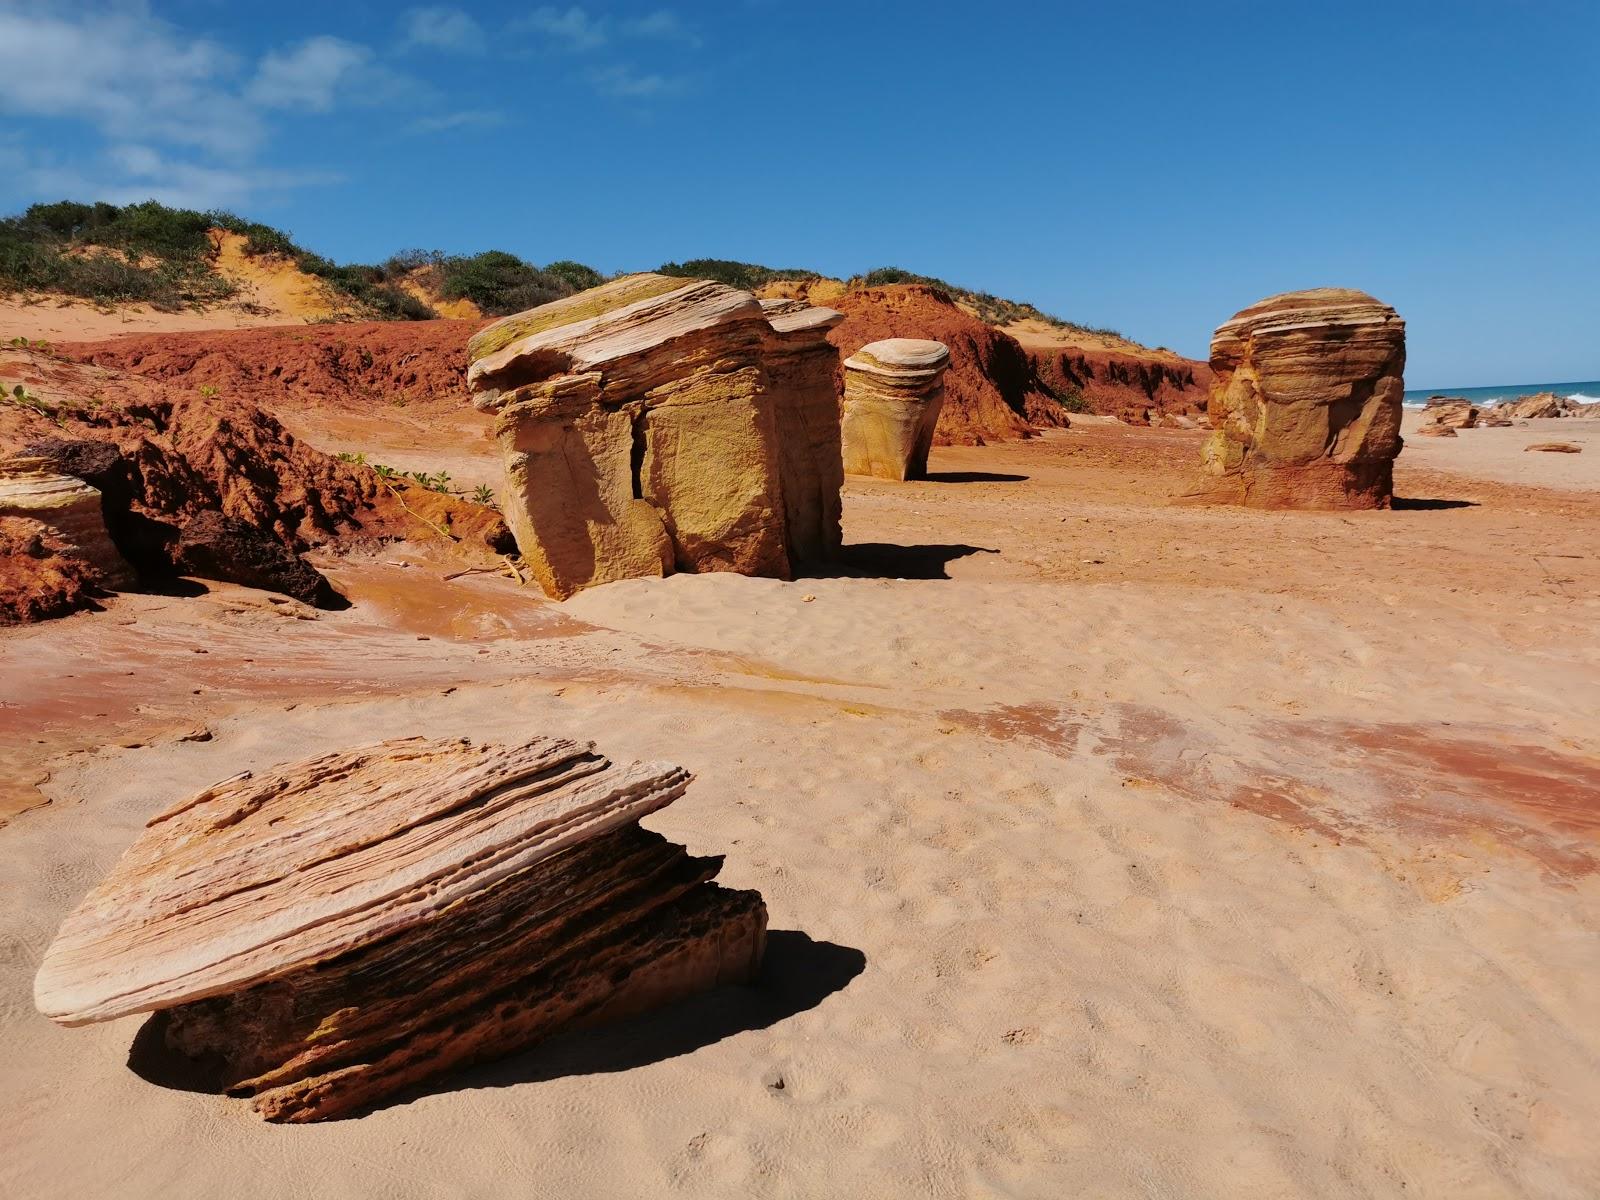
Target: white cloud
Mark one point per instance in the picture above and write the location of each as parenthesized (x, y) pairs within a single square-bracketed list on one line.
[(439, 28), (471, 119), (127, 74), (663, 24), (127, 173), (573, 27), (624, 83), (308, 76)]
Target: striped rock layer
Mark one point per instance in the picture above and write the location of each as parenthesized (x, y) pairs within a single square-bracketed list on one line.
[(893, 391), (1306, 402), (657, 424), (330, 932), (69, 509)]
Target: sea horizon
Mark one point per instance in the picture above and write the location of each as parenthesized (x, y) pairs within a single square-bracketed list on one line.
[(1584, 391)]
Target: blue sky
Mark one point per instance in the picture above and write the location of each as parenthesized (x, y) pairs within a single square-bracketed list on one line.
[(1149, 166)]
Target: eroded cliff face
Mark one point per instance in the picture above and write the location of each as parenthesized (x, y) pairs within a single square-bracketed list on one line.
[(1157, 390), (208, 485)]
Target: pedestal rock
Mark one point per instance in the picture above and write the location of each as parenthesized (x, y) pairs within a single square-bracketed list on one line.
[(893, 391), (1306, 402)]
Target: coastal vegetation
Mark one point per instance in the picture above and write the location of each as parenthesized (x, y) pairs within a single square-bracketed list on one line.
[(150, 253)]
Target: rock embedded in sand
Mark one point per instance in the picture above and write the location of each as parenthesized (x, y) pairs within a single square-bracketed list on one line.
[(654, 424), (69, 509), (1555, 447), (893, 391), (1430, 429), (1306, 403), (329, 932)]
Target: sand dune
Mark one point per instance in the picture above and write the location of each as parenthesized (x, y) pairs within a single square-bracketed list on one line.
[(1116, 849)]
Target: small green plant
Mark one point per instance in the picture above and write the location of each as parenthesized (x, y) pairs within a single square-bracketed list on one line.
[(345, 456), (439, 482), (385, 472), (484, 494), (208, 390)]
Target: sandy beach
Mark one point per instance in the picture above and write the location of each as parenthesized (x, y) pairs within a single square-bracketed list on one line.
[(1112, 848)]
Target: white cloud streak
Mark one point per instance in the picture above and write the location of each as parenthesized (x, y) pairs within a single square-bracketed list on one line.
[(441, 28)]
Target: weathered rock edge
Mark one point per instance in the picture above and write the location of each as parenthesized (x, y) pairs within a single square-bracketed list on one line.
[(333, 931)]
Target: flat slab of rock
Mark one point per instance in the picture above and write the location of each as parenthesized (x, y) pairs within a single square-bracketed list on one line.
[(331, 931), (1306, 402), (893, 392), (1555, 447)]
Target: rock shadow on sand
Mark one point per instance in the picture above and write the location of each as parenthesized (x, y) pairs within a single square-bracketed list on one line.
[(1428, 504), (797, 974), (885, 560), (973, 477)]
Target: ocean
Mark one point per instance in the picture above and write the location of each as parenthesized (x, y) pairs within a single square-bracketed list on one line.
[(1584, 391)]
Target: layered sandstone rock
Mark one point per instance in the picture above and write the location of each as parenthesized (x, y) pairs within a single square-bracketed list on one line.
[(327, 933), (893, 391), (652, 425), (803, 372), (1306, 402), (70, 511), (1452, 412)]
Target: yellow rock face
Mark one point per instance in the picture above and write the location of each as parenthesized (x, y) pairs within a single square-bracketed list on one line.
[(1306, 403), (654, 424), (893, 391)]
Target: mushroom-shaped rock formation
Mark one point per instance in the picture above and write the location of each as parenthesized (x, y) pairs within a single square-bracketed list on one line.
[(655, 424), (1306, 402), (327, 933), (69, 509), (893, 391)]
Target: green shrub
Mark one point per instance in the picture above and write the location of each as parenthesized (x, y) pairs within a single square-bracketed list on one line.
[(747, 276), (576, 275), (499, 283)]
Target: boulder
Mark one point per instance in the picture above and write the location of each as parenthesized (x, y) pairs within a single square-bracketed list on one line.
[(893, 391), (1555, 447), (654, 424), (1451, 412), (325, 934), (69, 509), (1537, 406), (1430, 429), (1306, 402)]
